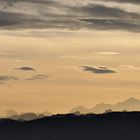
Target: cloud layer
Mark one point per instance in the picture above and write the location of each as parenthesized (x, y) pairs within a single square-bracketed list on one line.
[(51, 14)]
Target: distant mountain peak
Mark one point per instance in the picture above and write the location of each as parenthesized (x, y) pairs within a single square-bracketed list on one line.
[(102, 104), (133, 100), (80, 108)]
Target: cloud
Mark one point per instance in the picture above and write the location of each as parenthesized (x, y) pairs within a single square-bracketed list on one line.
[(26, 68), (98, 70), (128, 67), (107, 53), (110, 24), (38, 77), (124, 1), (51, 14), (4, 78), (101, 11), (48, 2)]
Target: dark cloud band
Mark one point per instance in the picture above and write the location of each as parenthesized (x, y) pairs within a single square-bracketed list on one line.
[(46, 14)]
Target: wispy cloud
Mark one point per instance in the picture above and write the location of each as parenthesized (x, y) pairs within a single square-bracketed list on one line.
[(98, 70), (5, 78), (107, 53), (124, 1), (39, 77), (128, 67)]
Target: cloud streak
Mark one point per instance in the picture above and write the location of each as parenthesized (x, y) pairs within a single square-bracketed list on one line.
[(38, 77), (128, 67), (124, 1), (98, 70), (26, 68), (5, 78), (113, 24), (107, 53)]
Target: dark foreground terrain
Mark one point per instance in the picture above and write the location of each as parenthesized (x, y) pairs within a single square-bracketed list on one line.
[(111, 126)]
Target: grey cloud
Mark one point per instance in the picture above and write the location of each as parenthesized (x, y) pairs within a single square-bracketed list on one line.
[(26, 68), (48, 2), (101, 11), (98, 70), (46, 14), (9, 20), (20, 21), (38, 77)]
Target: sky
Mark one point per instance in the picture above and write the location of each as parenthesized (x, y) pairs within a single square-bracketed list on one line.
[(58, 54)]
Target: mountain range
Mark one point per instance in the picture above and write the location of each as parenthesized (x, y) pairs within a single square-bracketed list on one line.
[(28, 116), (130, 104)]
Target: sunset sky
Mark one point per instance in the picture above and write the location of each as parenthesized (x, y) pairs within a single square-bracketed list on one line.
[(58, 54)]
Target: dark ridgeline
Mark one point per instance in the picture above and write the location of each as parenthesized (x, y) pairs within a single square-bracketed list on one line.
[(109, 126)]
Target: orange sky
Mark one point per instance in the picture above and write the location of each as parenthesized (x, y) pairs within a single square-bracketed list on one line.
[(73, 53), (67, 84)]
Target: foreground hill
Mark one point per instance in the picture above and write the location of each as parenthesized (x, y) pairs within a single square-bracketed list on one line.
[(111, 126)]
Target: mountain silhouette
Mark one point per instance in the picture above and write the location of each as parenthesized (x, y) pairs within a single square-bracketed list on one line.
[(131, 104)]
